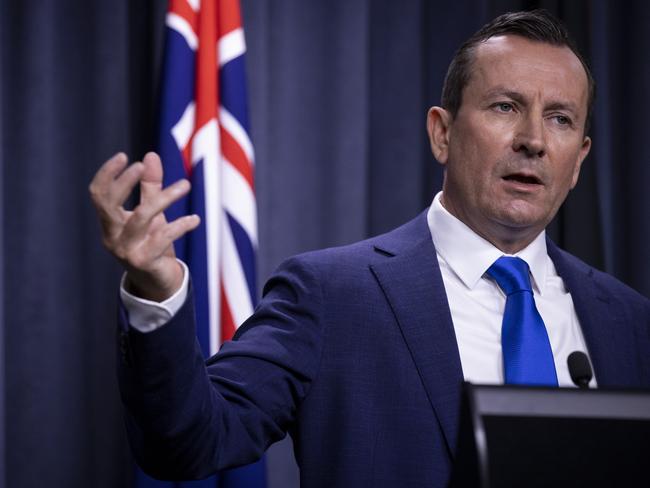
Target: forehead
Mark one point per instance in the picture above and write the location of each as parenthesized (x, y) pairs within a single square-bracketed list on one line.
[(528, 67)]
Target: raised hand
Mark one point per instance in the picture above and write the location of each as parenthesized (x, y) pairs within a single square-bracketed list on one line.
[(141, 239)]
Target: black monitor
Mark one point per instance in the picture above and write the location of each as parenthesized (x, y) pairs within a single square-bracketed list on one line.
[(511, 436)]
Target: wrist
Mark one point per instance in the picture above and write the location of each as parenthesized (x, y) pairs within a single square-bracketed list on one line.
[(156, 287)]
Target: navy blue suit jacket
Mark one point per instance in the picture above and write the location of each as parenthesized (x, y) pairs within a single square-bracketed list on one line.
[(352, 351)]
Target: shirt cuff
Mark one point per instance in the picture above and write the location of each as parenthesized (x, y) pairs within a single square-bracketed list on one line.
[(147, 315)]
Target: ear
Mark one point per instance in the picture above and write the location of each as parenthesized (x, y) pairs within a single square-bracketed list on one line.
[(584, 150), (438, 127)]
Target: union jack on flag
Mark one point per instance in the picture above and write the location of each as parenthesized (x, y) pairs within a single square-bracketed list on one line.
[(204, 136)]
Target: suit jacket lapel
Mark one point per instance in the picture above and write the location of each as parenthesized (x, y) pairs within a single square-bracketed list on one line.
[(610, 343), (413, 286)]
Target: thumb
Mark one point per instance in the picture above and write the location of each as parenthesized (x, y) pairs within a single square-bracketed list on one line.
[(152, 177)]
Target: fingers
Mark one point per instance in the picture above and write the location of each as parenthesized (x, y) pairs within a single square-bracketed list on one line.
[(143, 215), (109, 189), (109, 170), (113, 184), (164, 237), (152, 177), (123, 186)]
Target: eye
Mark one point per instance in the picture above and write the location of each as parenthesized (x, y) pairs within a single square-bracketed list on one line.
[(562, 120), (504, 107)]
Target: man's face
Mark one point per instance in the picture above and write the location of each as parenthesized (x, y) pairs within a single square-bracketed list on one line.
[(514, 149)]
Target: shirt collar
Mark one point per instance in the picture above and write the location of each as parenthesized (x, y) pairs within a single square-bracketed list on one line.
[(469, 255)]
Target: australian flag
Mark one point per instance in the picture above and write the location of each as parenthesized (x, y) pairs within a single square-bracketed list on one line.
[(204, 137)]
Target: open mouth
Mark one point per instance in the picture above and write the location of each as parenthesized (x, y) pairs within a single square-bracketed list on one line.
[(525, 179)]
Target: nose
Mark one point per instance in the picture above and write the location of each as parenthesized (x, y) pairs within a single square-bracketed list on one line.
[(529, 137)]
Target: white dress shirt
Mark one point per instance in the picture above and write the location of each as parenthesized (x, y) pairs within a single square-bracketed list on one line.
[(476, 301), (147, 315)]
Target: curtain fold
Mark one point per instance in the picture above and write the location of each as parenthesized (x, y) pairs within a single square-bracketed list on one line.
[(2, 267)]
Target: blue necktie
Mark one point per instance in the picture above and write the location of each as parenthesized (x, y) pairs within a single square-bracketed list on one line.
[(527, 355)]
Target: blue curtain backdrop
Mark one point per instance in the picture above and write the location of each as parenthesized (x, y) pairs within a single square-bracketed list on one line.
[(339, 91)]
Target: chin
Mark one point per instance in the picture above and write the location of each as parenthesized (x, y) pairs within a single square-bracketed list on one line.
[(523, 218)]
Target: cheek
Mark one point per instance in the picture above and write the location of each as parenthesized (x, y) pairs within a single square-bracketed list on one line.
[(565, 152), (475, 150), (566, 175), (468, 153)]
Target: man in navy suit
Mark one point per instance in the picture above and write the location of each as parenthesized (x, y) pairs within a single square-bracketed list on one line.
[(359, 352)]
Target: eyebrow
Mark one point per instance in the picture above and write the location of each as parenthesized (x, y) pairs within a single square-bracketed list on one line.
[(520, 98)]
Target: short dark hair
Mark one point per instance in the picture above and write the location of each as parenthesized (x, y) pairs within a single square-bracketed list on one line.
[(537, 25)]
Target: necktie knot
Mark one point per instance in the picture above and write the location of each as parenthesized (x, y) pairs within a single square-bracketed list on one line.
[(511, 274)]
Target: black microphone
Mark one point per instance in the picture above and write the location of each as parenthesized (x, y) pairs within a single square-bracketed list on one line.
[(579, 369)]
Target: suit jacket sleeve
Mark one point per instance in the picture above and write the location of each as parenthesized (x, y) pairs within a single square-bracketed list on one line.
[(186, 418)]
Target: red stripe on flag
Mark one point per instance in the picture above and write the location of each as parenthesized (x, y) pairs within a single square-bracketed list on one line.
[(207, 86), (237, 157), (229, 16), (183, 9)]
